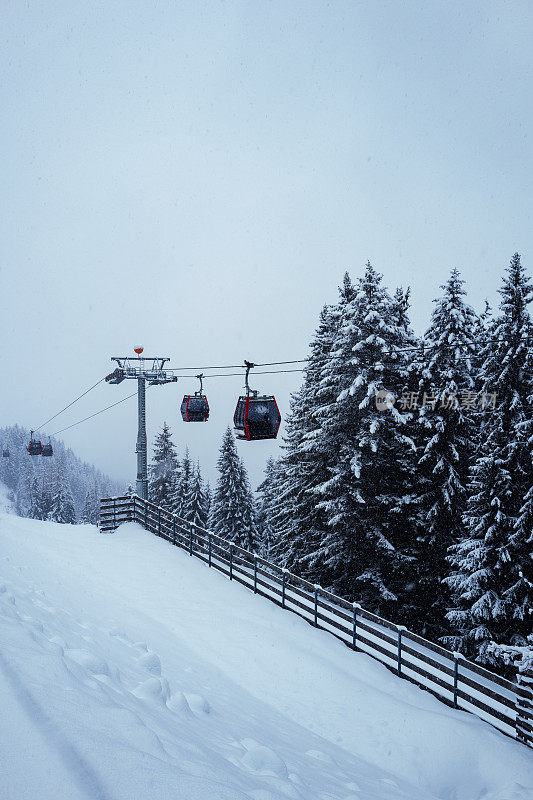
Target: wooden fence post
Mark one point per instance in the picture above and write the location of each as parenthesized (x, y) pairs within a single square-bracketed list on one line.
[(159, 521), (173, 530), (255, 574), (190, 540), (283, 582), (400, 629), (114, 513), (210, 548), (101, 512), (356, 608), (524, 707), (316, 604), (456, 659), (231, 562)]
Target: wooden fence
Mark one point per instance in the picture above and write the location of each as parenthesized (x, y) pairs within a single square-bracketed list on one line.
[(449, 676)]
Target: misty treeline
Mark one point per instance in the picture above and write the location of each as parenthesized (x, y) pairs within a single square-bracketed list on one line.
[(177, 485), (406, 477), (61, 488)]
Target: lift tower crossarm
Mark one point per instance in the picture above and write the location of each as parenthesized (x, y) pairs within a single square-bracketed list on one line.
[(141, 369)]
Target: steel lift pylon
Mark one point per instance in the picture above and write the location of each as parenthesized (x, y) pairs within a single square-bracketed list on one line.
[(144, 370)]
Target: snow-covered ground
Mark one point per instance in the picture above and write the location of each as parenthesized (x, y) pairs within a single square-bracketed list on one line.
[(130, 670)]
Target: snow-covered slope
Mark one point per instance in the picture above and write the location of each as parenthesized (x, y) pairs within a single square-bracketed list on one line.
[(130, 670)]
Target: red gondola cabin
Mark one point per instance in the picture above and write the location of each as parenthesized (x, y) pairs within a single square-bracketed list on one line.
[(195, 408), (256, 417), (35, 447)]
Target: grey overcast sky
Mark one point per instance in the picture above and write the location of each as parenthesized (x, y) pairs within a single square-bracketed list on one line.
[(197, 176)]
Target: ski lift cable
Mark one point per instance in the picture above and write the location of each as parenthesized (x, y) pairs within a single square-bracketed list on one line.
[(414, 348), (133, 394), (70, 404), (386, 357), (128, 397), (236, 366), (239, 374), (411, 349)]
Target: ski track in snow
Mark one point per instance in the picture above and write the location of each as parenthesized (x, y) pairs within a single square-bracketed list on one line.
[(98, 711)]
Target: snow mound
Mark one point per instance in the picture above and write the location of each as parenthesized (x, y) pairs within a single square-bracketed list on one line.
[(151, 663), (262, 759), (153, 690), (197, 703)]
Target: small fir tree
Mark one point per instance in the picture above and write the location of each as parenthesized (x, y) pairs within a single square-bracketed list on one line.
[(163, 469), (91, 506), (182, 487), (62, 504), (196, 507), (231, 515)]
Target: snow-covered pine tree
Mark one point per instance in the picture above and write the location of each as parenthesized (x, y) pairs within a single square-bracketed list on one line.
[(10, 468), (369, 458), (163, 469), (62, 504), (41, 496), (182, 486), (196, 510), (401, 303), (230, 510), (24, 490), (91, 507), (267, 502), (408, 515), (251, 541), (445, 459), (208, 496), (482, 333), (295, 524), (493, 580)]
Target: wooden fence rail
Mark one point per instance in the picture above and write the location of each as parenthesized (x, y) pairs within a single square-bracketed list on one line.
[(449, 676)]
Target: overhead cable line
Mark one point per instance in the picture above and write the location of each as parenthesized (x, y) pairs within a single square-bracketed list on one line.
[(419, 348), (238, 374), (237, 366), (70, 404), (415, 348), (94, 415)]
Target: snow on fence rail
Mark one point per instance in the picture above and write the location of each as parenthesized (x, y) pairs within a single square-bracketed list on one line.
[(449, 676)]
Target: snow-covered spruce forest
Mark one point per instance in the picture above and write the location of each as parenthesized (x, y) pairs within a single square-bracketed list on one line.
[(421, 509), (61, 488)]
